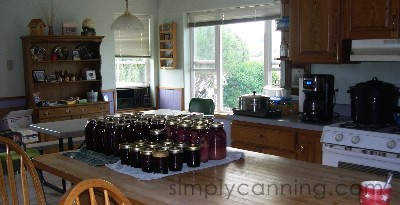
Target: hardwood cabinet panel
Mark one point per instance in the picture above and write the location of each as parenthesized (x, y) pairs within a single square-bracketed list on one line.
[(281, 153), (246, 146), (310, 148), (57, 112), (370, 19)]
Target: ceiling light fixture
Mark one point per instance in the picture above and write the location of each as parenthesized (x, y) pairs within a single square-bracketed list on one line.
[(127, 22)]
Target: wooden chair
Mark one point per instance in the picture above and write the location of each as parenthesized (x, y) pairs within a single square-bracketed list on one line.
[(94, 187), (25, 165)]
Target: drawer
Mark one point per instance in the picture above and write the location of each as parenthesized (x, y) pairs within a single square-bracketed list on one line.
[(95, 108), (57, 112), (275, 138)]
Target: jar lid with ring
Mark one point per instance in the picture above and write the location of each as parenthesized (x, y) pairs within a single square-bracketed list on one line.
[(146, 151), (216, 125), (175, 150)]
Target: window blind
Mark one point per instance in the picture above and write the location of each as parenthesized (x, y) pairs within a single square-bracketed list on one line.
[(234, 15), (133, 43)]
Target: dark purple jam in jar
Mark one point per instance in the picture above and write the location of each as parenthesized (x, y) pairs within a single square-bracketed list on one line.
[(171, 130), (156, 135), (141, 130), (141, 143), (109, 137), (152, 145), (182, 146), (193, 155), (200, 136), (134, 155), (121, 135), (160, 162), (146, 159), (157, 123), (98, 135), (175, 159), (217, 141), (89, 129), (124, 152), (184, 131)]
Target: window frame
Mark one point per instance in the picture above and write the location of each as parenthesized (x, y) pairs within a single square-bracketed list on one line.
[(131, 85)]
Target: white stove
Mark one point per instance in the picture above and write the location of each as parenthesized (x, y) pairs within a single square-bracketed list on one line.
[(375, 150)]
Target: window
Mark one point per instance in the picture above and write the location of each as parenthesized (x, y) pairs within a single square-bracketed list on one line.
[(234, 59), (132, 55)]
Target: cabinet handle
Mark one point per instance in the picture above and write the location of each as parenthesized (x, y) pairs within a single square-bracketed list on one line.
[(46, 113), (301, 148), (259, 135), (394, 23), (67, 111), (83, 109), (334, 49), (102, 107)]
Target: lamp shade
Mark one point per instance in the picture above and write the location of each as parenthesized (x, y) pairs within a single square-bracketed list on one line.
[(127, 22)]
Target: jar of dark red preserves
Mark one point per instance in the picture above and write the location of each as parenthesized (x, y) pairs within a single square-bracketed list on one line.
[(217, 141), (200, 136), (171, 130), (134, 155), (122, 133), (175, 159), (141, 130), (152, 145), (156, 135), (98, 135), (124, 152), (109, 137), (146, 159), (167, 142), (141, 143), (184, 131), (182, 146), (157, 123), (193, 155), (89, 129), (160, 161)]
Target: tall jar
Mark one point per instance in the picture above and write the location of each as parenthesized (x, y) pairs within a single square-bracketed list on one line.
[(157, 123), (121, 135), (200, 136), (217, 141), (156, 135), (171, 130), (98, 135), (184, 130), (146, 159), (109, 137), (89, 129), (141, 130)]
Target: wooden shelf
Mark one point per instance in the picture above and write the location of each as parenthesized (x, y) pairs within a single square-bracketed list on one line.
[(164, 67), (283, 59), (168, 47), (68, 61), (75, 81)]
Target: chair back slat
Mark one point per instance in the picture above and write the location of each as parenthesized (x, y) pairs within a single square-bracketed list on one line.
[(106, 198), (4, 196), (11, 177), (24, 182), (92, 197)]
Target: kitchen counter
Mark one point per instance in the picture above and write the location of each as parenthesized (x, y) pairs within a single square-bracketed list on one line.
[(256, 179), (288, 121)]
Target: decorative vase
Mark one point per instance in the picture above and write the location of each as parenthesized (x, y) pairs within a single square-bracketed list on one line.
[(51, 32)]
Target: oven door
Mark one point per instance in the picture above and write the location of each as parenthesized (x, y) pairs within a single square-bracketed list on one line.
[(359, 160)]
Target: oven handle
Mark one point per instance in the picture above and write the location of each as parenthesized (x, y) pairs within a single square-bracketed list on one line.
[(360, 155)]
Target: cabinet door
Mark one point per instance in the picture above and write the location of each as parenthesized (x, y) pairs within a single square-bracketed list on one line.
[(246, 146), (281, 153), (369, 19), (314, 27), (309, 147)]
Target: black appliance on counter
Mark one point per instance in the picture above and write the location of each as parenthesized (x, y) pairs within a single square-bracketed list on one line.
[(318, 98), (129, 98)]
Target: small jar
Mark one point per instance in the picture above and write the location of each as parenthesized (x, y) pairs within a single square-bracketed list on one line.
[(156, 135), (157, 123), (152, 145), (141, 130), (217, 141), (89, 129), (193, 155), (184, 130), (141, 143), (200, 136), (167, 143), (175, 160), (109, 137), (134, 155), (160, 162), (124, 152), (182, 146), (146, 159), (171, 130)]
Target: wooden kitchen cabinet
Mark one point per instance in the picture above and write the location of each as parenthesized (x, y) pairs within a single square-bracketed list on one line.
[(315, 32), (168, 48), (370, 19), (276, 140)]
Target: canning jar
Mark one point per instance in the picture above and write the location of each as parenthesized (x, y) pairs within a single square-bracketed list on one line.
[(141, 143), (217, 141), (109, 137), (157, 123), (122, 133), (146, 159), (171, 130), (175, 159), (182, 146), (141, 130), (134, 155), (156, 135), (200, 136), (152, 145), (167, 142), (184, 130), (89, 129), (160, 162), (98, 135), (124, 152), (193, 155)]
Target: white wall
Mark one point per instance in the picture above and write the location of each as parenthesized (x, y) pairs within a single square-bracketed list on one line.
[(16, 15)]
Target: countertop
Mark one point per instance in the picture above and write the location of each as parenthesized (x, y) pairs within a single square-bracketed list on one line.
[(292, 121), (255, 179)]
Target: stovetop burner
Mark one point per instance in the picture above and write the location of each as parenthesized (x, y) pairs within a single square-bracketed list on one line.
[(365, 127)]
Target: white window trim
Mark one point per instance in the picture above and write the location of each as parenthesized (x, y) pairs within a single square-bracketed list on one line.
[(132, 85)]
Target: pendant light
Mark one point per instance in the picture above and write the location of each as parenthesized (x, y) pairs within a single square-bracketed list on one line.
[(127, 22)]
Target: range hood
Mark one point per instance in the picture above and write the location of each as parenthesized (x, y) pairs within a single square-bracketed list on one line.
[(375, 50)]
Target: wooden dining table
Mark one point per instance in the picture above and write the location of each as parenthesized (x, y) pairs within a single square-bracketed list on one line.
[(255, 179)]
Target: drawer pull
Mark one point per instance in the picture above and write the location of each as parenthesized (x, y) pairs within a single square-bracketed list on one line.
[(46, 113), (102, 107), (83, 109), (301, 148), (67, 111), (259, 135), (394, 22)]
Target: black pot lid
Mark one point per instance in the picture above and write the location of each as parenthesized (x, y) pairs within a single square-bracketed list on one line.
[(254, 96), (374, 84)]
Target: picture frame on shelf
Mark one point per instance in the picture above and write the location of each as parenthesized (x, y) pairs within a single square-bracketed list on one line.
[(69, 29), (90, 75), (293, 73), (167, 37), (75, 54), (39, 76), (52, 78)]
